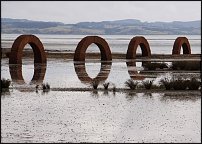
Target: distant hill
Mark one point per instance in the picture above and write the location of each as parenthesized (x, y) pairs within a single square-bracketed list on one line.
[(118, 27)]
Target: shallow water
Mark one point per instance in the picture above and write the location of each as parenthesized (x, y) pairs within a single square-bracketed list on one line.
[(100, 117), (60, 73), (95, 116)]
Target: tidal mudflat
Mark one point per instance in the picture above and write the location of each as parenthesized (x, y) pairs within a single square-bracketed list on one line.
[(28, 115), (100, 117)]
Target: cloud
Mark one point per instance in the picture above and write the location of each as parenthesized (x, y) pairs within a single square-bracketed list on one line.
[(77, 11)]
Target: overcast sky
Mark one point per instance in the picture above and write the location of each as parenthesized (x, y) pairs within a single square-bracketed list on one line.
[(79, 11)]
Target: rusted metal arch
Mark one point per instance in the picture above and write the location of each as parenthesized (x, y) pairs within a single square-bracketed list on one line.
[(38, 77), (181, 42), (82, 46), (133, 45), (80, 70), (18, 46)]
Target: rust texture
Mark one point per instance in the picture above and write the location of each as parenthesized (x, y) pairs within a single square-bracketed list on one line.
[(181, 42), (80, 70), (38, 77), (82, 46), (18, 46), (133, 45)]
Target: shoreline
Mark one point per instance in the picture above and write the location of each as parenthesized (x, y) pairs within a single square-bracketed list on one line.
[(70, 55), (138, 90)]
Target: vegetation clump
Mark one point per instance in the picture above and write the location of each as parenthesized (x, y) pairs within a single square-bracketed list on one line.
[(179, 84), (45, 86), (106, 85), (148, 84), (5, 83), (131, 84), (193, 84), (114, 88), (95, 84), (168, 84)]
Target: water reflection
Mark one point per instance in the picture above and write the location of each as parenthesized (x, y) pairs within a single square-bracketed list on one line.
[(106, 93), (181, 96), (80, 70), (38, 77), (44, 92), (94, 94), (134, 74), (148, 94), (130, 95)]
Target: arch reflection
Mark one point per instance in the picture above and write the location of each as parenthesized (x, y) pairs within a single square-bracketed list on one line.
[(133, 72), (80, 70), (17, 77)]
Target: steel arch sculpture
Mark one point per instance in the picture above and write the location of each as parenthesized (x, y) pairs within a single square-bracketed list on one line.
[(18, 46), (132, 48), (181, 42), (88, 40)]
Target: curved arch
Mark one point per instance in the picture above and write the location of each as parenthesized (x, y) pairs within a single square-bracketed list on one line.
[(38, 77), (133, 45), (18, 46), (86, 41), (181, 42), (80, 70)]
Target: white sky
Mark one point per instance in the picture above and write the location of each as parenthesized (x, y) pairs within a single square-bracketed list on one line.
[(70, 12)]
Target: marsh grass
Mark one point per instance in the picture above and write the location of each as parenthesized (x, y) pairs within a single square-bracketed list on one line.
[(114, 88), (131, 84), (148, 84), (5, 83), (157, 86), (168, 84), (46, 86), (193, 84), (95, 84), (106, 85), (180, 84)]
